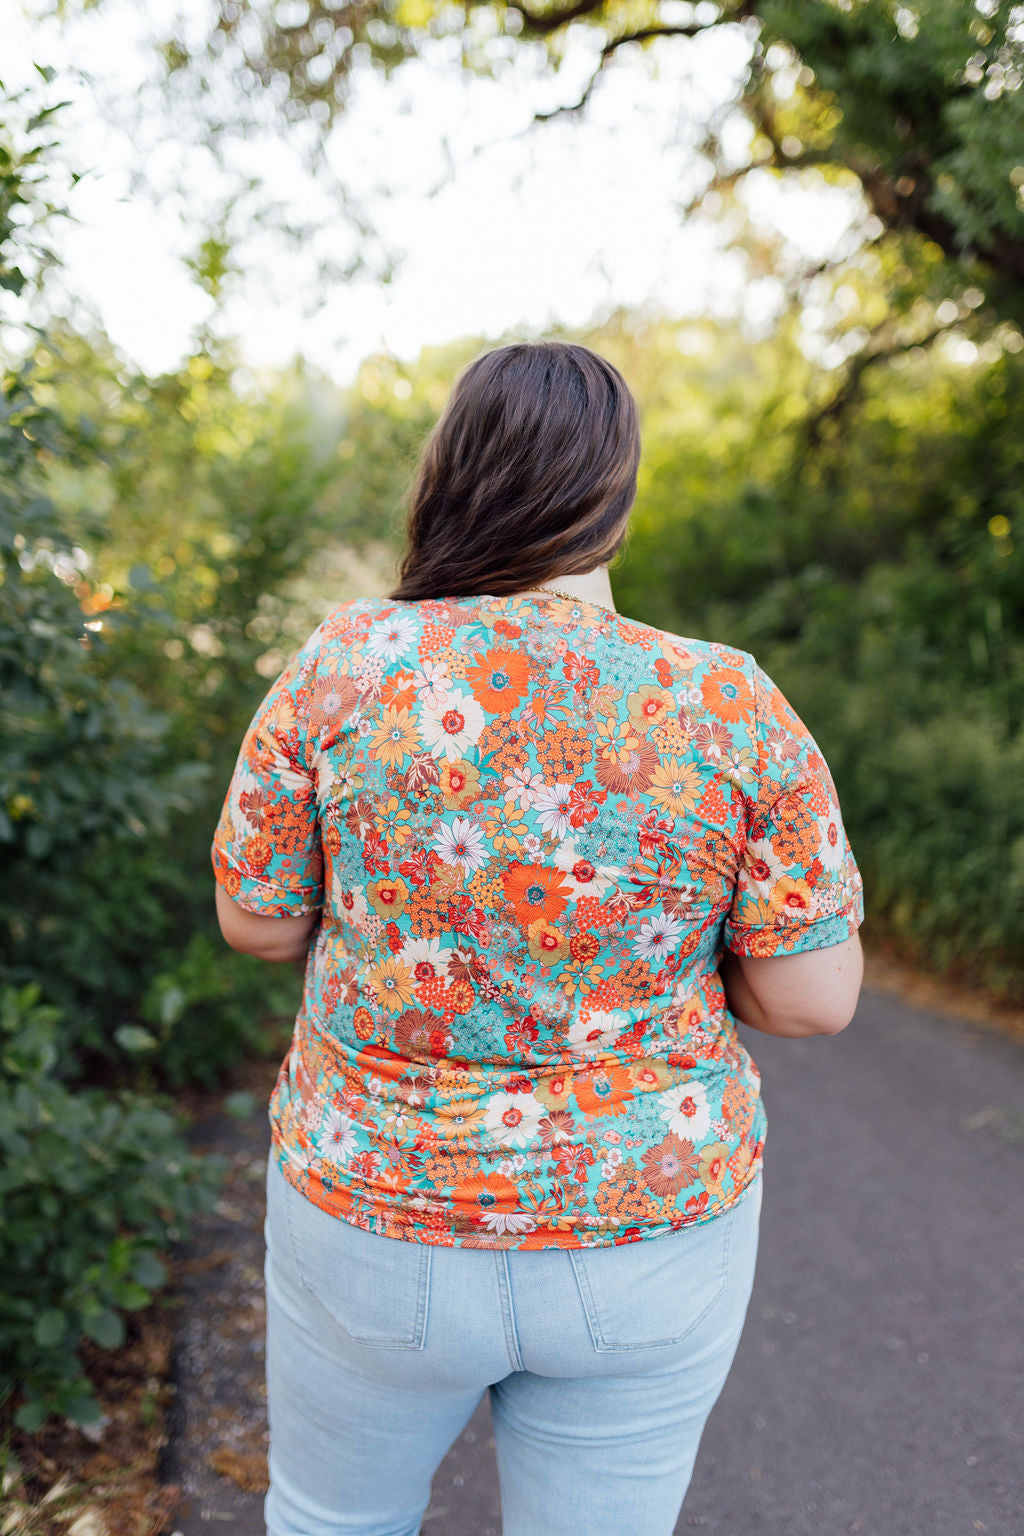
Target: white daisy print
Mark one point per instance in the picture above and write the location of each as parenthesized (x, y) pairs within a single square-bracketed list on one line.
[(598, 1032), (658, 937), (506, 1221), (336, 1139), (453, 726), (552, 807), (686, 1110), (461, 842), (582, 877), (514, 1117), (417, 951), (433, 684), (393, 637)]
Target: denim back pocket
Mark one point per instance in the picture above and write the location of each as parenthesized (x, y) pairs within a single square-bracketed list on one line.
[(652, 1293), (375, 1288)]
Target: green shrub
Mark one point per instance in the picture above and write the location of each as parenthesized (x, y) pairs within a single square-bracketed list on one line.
[(92, 1186)]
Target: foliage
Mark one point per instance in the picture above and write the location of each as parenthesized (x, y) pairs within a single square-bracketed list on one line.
[(920, 102), (107, 782), (92, 1186)]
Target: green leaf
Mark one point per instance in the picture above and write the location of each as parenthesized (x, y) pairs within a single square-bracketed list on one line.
[(82, 1408), (50, 1327), (131, 1037), (150, 1271), (31, 1415), (105, 1328)]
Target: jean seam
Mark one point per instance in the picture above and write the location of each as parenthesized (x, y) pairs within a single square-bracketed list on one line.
[(508, 1311)]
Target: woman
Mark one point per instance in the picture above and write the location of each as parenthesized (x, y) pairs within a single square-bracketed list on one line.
[(539, 858)]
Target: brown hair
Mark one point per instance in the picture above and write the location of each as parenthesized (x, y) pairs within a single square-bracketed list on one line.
[(528, 475)]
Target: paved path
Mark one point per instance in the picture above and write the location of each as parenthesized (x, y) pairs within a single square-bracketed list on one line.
[(879, 1384)]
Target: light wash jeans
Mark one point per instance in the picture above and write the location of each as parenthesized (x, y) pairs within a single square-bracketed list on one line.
[(602, 1366)]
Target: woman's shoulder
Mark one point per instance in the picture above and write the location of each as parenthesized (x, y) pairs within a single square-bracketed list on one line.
[(689, 652)]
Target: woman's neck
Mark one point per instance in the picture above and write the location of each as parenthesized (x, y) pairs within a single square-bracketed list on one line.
[(590, 586)]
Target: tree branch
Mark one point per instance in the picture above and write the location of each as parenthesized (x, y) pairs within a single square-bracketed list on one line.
[(546, 22), (812, 428), (641, 35)]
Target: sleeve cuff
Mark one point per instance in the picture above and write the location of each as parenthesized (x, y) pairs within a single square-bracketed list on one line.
[(794, 938), (263, 897)]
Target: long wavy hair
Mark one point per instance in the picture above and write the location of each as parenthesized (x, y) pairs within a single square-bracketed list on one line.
[(529, 474)]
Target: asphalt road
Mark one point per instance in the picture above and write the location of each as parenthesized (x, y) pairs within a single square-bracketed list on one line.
[(879, 1384)]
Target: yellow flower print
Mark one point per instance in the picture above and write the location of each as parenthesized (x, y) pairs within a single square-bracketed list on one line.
[(387, 897), (395, 738), (648, 707), (675, 786), (391, 818), (793, 897), (504, 830), (459, 784), (458, 1118), (619, 739), (393, 984), (713, 1167), (548, 944)]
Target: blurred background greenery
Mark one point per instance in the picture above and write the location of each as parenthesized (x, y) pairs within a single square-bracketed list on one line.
[(839, 491)]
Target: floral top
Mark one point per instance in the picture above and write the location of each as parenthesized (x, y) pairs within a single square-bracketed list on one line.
[(530, 827)]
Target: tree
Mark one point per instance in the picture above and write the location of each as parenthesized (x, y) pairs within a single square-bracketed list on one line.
[(921, 103)]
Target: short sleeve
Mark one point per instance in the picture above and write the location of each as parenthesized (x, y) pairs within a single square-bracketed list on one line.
[(266, 849), (798, 886)]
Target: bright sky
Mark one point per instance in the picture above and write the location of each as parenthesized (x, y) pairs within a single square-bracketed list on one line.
[(497, 226)]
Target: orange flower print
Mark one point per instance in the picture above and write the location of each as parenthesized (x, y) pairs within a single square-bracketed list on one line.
[(535, 891), (713, 1168), (531, 826), (793, 898), (548, 944), (395, 737), (362, 1023), (459, 784), (649, 706), (387, 897), (499, 679), (459, 1119), (581, 671), (728, 695), (399, 689), (258, 852), (393, 984), (796, 839), (606, 1091), (555, 1090), (675, 786), (492, 1202), (670, 1166)]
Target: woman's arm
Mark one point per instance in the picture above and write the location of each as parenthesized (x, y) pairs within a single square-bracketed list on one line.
[(813, 993), (268, 938)]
